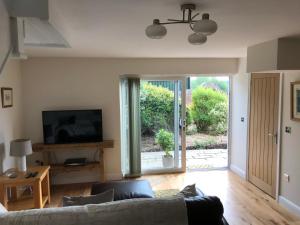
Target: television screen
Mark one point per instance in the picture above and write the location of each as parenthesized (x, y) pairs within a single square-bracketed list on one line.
[(72, 126)]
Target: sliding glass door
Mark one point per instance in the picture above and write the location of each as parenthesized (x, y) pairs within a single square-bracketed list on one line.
[(153, 124), (162, 111)]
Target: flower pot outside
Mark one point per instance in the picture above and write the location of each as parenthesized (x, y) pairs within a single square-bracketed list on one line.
[(167, 161)]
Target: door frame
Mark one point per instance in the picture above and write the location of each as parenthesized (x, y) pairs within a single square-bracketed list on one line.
[(229, 122), (183, 77), (279, 133), (183, 115), (229, 117)]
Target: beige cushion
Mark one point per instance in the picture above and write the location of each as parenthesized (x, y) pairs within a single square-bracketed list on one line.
[(189, 191)]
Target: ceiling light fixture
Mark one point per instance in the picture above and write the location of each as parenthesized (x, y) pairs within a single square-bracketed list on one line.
[(201, 28)]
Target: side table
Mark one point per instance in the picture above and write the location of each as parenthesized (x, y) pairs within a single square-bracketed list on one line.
[(40, 186)]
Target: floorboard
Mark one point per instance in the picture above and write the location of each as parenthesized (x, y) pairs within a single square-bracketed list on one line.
[(244, 204)]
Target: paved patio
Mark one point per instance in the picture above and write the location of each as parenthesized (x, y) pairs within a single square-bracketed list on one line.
[(195, 159)]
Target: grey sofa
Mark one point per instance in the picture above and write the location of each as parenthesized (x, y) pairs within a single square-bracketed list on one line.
[(170, 211), (201, 209)]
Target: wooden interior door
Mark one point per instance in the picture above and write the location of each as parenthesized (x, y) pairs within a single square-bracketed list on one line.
[(263, 127)]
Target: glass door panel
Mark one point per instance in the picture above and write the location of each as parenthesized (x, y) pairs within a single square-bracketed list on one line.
[(162, 107)]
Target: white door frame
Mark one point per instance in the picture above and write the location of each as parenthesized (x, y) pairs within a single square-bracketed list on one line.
[(229, 117), (183, 95), (229, 124)]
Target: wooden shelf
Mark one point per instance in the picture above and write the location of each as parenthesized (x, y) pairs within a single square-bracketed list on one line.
[(25, 203), (47, 150), (62, 168), (40, 147)]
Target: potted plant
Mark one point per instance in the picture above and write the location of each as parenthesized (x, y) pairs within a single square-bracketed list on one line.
[(165, 140)]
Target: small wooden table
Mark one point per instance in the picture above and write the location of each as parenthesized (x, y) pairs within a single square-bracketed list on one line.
[(40, 185)]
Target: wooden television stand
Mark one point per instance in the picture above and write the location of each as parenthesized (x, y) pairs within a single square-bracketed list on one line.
[(47, 149)]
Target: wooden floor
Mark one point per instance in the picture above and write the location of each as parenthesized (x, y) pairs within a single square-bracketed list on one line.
[(243, 203)]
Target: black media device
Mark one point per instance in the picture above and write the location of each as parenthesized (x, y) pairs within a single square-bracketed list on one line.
[(75, 162), (72, 126)]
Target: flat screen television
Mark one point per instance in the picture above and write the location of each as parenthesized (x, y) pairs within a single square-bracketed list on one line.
[(72, 126)]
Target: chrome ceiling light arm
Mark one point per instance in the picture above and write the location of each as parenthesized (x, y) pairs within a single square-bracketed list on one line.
[(189, 8), (201, 28)]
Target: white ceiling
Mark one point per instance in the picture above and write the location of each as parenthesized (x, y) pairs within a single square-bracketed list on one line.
[(115, 28)]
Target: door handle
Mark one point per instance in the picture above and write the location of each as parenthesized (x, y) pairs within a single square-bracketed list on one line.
[(275, 136), (184, 125)]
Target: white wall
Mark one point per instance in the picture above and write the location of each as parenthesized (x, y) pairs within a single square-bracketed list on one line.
[(290, 150), (239, 109), (279, 54), (263, 56), (290, 153), (10, 118), (68, 83)]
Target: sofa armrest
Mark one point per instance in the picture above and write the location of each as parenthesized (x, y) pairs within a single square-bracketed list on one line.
[(2, 209), (125, 189), (199, 192), (204, 210)]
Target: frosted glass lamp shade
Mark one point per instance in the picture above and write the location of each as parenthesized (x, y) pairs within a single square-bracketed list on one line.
[(156, 30), (20, 147), (197, 39), (205, 26)]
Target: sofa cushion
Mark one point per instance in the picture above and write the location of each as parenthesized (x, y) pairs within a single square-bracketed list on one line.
[(189, 191), (103, 197), (204, 210), (199, 192), (125, 189)]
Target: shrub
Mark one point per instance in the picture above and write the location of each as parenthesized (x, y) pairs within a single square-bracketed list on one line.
[(166, 141), (191, 130), (203, 144), (188, 116), (157, 109), (219, 117), (209, 108)]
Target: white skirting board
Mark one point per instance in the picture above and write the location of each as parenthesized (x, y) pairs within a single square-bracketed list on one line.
[(238, 171), (292, 207)]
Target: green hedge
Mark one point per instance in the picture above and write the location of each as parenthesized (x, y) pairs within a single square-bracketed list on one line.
[(209, 110), (157, 109)]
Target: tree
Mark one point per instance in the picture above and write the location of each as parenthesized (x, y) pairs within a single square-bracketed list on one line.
[(209, 81)]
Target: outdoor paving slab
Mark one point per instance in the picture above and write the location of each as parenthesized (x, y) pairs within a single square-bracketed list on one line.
[(195, 159)]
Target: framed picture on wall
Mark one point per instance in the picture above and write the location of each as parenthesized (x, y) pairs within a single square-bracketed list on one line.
[(7, 97), (295, 100)]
